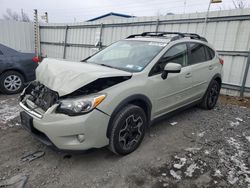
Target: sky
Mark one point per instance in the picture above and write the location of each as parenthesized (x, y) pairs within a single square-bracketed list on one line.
[(62, 11)]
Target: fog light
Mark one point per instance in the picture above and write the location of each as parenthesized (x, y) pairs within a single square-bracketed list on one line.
[(81, 137)]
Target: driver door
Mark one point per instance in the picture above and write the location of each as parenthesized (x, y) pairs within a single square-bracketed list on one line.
[(176, 90)]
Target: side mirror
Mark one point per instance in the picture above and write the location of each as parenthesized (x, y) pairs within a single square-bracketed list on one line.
[(170, 68)]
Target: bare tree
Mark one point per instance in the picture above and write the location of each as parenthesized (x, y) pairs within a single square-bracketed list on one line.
[(24, 16), (239, 4), (12, 15)]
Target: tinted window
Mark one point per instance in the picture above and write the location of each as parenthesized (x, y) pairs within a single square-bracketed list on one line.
[(209, 53), (198, 53), (176, 54), (1, 53)]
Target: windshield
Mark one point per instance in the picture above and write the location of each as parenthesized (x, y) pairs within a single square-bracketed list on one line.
[(131, 56)]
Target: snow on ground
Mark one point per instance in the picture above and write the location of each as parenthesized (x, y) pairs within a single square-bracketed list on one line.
[(175, 175), (9, 110), (248, 138), (219, 156), (191, 169), (181, 163), (173, 123), (204, 149)]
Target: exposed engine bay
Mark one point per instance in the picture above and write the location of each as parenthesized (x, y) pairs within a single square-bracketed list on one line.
[(98, 85), (40, 95), (44, 98)]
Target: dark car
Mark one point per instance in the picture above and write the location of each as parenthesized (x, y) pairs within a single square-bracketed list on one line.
[(16, 69)]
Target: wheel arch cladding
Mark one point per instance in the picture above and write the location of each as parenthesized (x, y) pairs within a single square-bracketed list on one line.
[(217, 77), (139, 100)]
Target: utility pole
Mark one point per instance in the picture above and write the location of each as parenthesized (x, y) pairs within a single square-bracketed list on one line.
[(206, 18), (205, 22), (185, 5), (45, 17), (36, 33)]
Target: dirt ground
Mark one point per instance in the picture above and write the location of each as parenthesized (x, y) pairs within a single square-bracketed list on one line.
[(195, 148), (225, 99)]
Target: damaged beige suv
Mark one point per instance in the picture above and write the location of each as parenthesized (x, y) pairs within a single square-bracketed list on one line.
[(110, 98)]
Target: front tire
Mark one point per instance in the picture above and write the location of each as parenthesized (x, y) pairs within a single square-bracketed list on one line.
[(11, 82), (211, 96), (128, 130)]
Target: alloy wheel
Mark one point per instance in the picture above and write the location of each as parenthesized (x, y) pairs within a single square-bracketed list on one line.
[(213, 95), (12, 83), (131, 133)]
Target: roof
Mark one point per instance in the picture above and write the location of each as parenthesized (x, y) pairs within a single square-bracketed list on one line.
[(111, 14)]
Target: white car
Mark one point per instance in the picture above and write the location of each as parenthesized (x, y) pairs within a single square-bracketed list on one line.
[(110, 98)]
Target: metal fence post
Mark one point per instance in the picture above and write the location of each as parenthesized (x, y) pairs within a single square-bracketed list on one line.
[(100, 37), (242, 89), (157, 25), (65, 41), (36, 33)]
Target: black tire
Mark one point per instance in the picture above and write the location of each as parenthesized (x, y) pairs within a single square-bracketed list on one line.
[(17, 84), (211, 96), (128, 130)]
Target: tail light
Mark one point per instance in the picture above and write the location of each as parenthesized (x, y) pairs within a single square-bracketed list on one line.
[(221, 61), (35, 59)]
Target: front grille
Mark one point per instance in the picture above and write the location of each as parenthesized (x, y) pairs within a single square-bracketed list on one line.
[(41, 96)]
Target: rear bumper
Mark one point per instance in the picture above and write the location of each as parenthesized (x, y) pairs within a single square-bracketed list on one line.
[(61, 131)]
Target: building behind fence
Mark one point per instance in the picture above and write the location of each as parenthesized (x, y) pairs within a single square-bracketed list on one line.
[(228, 31)]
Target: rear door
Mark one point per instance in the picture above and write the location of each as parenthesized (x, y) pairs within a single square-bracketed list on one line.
[(175, 91), (200, 63)]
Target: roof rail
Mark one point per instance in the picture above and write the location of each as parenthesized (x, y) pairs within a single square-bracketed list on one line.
[(163, 34)]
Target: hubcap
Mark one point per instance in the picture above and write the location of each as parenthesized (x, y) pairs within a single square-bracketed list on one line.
[(130, 133), (213, 95), (12, 83)]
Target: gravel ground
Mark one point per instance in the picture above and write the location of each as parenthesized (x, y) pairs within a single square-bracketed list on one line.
[(195, 148)]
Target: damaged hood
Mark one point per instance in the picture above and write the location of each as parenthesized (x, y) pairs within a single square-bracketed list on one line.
[(67, 76)]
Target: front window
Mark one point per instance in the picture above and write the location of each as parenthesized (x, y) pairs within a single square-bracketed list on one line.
[(176, 54), (131, 56)]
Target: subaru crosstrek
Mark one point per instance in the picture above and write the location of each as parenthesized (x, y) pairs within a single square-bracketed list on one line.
[(110, 98)]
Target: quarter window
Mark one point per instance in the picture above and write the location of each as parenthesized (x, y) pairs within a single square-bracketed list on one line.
[(210, 53), (176, 54), (197, 53)]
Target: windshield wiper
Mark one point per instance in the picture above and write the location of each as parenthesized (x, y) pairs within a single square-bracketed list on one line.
[(105, 65)]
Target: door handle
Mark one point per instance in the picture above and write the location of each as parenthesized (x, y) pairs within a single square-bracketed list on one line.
[(210, 67), (188, 75)]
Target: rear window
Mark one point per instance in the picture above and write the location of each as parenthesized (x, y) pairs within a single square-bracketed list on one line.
[(198, 53)]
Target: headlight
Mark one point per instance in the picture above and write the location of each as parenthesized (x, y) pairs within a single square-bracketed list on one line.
[(80, 105)]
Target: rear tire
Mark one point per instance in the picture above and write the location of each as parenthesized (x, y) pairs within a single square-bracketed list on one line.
[(211, 96), (11, 82), (128, 130)]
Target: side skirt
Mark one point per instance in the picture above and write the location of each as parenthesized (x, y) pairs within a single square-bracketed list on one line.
[(174, 112)]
